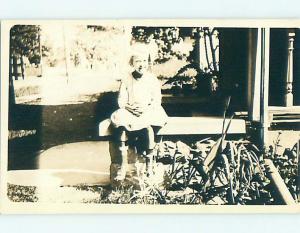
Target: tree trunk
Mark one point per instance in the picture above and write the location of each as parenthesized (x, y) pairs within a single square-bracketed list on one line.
[(213, 52), (12, 99), (41, 54), (206, 50), (15, 67), (197, 50), (22, 67)]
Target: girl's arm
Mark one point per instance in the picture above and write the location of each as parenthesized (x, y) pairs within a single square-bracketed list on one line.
[(123, 96), (123, 99)]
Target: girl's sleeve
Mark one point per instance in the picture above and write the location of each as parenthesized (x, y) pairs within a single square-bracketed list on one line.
[(123, 96)]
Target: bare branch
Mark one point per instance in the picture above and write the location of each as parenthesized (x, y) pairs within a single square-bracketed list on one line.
[(215, 49)]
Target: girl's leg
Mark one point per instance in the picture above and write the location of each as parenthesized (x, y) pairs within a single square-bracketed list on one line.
[(121, 174), (150, 144)]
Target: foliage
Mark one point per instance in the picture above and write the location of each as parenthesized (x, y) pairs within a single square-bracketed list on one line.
[(95, 45), (169, 38), (286, 163), (164, 37), (190, 77), (19, 193), (24, 41), (220, 171), (236, 175), (202, 81)]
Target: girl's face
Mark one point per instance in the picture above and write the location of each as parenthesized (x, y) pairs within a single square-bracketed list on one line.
[(140, 63)]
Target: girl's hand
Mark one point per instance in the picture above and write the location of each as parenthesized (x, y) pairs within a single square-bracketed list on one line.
[(136, 109), (133, 110), (139, 108)]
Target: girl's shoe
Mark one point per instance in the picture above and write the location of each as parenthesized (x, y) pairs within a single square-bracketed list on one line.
[(121, 173), (149, 165)]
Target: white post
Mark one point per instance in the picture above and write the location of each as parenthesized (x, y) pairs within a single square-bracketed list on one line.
[(254, 73), (289, 75), (264, 87)]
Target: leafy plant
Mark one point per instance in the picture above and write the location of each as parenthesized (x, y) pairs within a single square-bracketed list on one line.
[(204, 82), (233, 171), (287, 164)]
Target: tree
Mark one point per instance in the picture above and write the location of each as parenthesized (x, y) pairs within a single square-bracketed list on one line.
[(24, 41), (209, 33), (166, 37)]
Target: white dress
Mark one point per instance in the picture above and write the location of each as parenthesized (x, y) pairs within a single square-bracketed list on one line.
[(145, 91)]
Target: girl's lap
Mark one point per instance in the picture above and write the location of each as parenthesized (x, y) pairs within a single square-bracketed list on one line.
[(153, 117)]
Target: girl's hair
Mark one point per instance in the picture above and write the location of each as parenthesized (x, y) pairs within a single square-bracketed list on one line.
[(142, 49), (135, 55)]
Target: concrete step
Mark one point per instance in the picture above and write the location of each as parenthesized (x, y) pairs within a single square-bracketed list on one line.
[(201, 125), (188, 126), (57, 177)]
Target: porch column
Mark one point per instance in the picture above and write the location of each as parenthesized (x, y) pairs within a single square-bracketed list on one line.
[(264, 86), (254, 73), (258, 81), (288, 99)]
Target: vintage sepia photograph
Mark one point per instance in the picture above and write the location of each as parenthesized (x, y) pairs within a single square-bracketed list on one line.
[(149, 113)]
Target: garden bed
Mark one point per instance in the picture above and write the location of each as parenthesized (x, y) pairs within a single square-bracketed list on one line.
[(217, 172)]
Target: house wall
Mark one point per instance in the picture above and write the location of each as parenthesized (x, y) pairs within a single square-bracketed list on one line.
[(234, 65), (297, 68), (237, 63), (278, 66)]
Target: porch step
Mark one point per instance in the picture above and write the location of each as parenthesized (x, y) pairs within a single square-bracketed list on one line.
[(189, 126), (284, 110), (280, 114), (286, 121)]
